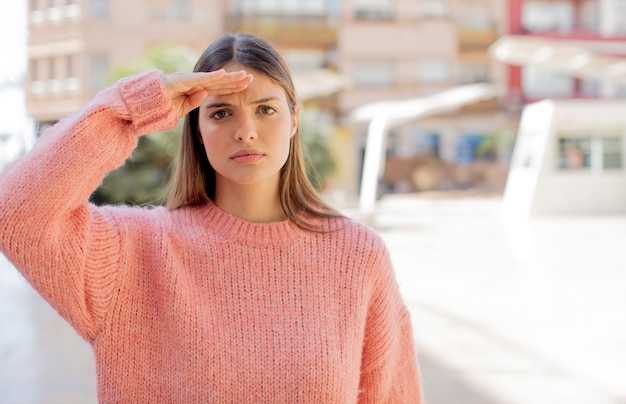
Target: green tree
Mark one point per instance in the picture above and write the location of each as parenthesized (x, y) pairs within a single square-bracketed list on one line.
[(140, 180), (315, 134)]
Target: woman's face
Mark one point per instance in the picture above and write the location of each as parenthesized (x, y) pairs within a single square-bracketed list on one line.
[(246, 135)]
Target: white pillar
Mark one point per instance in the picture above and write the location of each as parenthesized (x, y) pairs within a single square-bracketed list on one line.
[(373, 161)]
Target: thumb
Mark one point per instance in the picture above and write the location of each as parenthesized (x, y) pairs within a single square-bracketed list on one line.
[(193, 100)]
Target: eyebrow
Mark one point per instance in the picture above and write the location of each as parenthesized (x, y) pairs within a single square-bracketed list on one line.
[(226, 104)]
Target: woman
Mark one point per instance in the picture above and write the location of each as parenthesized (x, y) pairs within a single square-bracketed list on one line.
[(247, 288)]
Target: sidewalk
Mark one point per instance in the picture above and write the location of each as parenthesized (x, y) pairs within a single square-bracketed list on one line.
[(511, 314), (502, 315)]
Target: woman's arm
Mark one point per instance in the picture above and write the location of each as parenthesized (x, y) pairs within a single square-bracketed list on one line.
[(65, 247), (389, 370)]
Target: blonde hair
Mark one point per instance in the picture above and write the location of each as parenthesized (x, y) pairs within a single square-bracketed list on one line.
[(193, 180)]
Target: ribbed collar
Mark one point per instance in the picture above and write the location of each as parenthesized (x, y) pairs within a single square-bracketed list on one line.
[(217, 221)]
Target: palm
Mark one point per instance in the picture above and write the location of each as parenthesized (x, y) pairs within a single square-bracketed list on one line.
[(188, 90)]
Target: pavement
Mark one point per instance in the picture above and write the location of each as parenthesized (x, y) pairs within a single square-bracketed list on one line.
[(503, 312)]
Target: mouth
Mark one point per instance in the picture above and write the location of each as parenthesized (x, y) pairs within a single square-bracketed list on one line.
[(247, 156)]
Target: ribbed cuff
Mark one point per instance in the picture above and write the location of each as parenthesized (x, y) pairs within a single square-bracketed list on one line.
[(148, 102)]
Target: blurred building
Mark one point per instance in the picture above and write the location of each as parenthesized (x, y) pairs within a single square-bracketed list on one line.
[(579, 33), (74, 43), (405, 49), (388, 49), (573, 53)]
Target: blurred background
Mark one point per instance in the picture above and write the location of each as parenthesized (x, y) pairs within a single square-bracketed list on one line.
[(483, 139)]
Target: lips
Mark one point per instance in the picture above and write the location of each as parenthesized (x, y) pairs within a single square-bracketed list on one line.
[(247, 156)]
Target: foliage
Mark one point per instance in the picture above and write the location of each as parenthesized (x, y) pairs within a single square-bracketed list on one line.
[(141, 179), (168, 58), (315, 136)]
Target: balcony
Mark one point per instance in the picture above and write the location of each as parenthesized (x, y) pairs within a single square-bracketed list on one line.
[(55, 15), (476, 38), (289, 31)]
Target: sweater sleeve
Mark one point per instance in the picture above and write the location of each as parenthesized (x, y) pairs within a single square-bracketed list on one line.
[(389, 369), (65, 247)]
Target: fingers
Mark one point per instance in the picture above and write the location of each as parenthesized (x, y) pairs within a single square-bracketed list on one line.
[(214, 83), (188, 90)]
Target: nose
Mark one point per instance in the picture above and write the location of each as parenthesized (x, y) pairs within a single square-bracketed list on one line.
[(246, 129)]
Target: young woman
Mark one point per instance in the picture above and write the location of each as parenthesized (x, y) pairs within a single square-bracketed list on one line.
[(247, 288)]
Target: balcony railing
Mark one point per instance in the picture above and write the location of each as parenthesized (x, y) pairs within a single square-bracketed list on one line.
[(55, 15)]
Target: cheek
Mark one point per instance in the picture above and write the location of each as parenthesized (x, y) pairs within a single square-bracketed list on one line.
[(210, 143), (285, 149)]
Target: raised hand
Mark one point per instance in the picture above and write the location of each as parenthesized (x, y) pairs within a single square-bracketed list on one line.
[(188, 90)]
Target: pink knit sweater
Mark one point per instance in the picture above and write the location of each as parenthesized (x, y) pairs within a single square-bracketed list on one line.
[(196, 305)]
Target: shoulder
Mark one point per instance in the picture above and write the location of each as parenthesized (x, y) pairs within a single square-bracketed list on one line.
[(353, 237)]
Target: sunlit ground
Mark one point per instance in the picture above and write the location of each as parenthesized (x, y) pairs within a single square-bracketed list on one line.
[(526, 314)]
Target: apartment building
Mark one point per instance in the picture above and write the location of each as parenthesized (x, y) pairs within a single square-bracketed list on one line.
[(572, 52), (74, 43), (404, 49), (595, 27)]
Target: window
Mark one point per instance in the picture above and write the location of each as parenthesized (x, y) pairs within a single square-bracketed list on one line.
[(574, 153), (595, 151), (36, 13), (54, 12), (612, 18), (433, 71), (282, 8), (612, 152), (373, 9), (72, 9), (373, 73), (180, 9), (474, 16), (304, 59), (432, 8), (99, 9), (541, 16), (539, 83)]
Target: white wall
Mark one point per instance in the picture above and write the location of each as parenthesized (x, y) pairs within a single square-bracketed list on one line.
[(536, 184)]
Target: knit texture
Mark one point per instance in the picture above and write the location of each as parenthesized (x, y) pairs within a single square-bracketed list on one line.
[(197, 305)]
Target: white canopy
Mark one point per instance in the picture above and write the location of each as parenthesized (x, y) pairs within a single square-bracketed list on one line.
[(559, 56), (318, 83)]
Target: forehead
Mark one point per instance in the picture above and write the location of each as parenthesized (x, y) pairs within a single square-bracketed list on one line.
[(261, 87)]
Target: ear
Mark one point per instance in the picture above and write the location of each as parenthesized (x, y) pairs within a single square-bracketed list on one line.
[(294, 119)]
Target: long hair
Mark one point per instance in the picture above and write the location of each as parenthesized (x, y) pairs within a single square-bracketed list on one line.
[(193, 180)]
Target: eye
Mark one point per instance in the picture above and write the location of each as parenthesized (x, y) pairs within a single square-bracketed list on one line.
[(221, 114), (266, 110)]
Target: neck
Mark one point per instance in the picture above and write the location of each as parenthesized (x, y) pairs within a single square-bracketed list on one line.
[(258, 203)]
